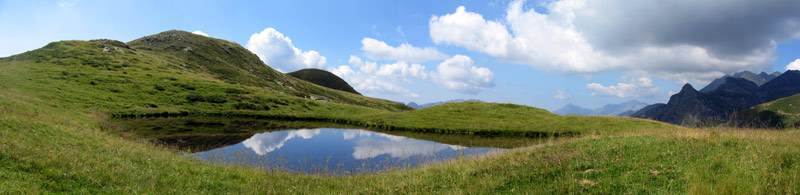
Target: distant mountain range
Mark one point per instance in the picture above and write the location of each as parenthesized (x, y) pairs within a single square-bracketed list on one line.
[(758, 79), (621, 109), (418, 106), (690, 107)]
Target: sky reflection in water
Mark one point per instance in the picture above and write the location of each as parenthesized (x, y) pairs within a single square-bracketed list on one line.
[(335, 151)]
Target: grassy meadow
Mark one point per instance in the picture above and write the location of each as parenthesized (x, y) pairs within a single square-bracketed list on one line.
[(55, 104)]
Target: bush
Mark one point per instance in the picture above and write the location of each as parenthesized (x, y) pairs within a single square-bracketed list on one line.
[(159, 88), (210, 98), (249, 106), (235, 91), (184, 86), (215, 99), (194, 98)]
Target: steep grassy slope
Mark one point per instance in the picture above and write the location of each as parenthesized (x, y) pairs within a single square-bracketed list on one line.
[(781, 113), (323, 78)]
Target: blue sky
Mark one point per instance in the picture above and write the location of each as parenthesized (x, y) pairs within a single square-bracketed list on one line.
[(539, 53)]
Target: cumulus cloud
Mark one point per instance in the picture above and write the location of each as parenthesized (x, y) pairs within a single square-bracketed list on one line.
[(402, 69), (640, 87), (278, 51), (379, 50), (795, 65), (459, 73), (672, 39), (561, 95), (197, 32), (367, 79)]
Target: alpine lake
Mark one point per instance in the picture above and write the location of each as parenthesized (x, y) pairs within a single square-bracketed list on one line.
[(309, 147)]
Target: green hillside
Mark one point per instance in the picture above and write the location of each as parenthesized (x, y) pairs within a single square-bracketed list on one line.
[(171, 71), (323, 78), (781, 113), (493, 118)]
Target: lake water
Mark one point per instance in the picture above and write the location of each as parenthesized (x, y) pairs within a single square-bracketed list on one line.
[(336, 151), (309, 147)]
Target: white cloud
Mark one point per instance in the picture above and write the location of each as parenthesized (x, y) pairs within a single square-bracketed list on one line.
[(641, 87), (277, 51), (370, 82), (677, 40), (459, 73), (794, 65), (197, 32), (561, 95), (379, 50), (401, 69), (470, 30)]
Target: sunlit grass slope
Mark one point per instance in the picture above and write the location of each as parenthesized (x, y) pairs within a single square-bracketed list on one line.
[(493, 118), (781, 113), (50, 149), (55, 101)]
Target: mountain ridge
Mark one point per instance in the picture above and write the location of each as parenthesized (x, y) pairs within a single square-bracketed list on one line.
[(620, 109), (690, 107), (758, 79)]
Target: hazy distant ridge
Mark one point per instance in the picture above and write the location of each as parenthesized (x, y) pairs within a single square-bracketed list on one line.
[(621, 109)]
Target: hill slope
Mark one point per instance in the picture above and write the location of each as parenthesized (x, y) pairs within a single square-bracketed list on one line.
[(172, 71), (323, 78), (781, 113)]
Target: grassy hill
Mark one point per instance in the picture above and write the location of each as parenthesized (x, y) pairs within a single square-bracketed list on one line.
[(171, 71), (323, 78), (781, 113), (55, 137), (510, 119)]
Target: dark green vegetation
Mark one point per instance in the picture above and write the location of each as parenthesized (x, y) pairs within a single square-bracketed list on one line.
[(55, 137), (323, 78), (781, 113), (690, 107)]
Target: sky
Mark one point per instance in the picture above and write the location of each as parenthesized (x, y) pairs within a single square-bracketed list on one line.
[(544, 54)]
